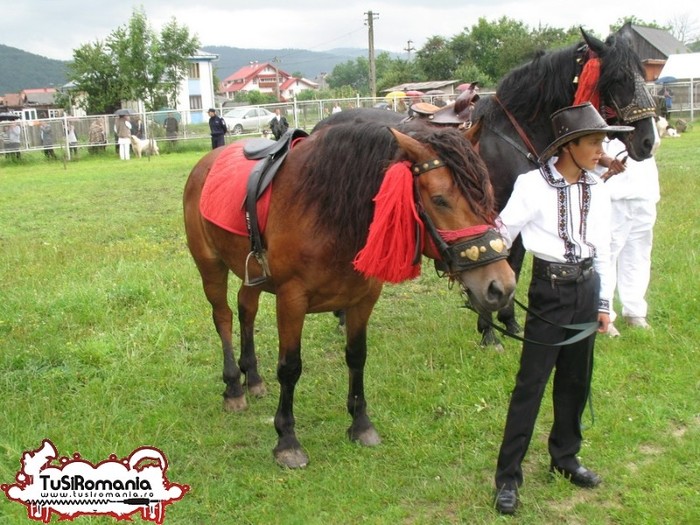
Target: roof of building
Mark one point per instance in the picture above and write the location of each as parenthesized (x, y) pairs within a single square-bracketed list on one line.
[(423, 86), (40, 96), (203, 55), (661, 39), (288, 82), (253, 70)]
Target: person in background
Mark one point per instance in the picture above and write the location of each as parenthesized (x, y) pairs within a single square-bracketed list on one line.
[(72, 138), (634, 192), (47, 141), (336, 108), (137, 129), (668, 101), (96, 136), (278, 124), (562, 213), (218, 129), (14, 136), (123, 130), (171, 128)]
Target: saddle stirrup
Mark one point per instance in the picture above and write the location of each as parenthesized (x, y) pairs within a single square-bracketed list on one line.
[(261, 257)]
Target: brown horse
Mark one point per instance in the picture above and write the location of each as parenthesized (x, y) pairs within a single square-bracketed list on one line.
[(323, 201)]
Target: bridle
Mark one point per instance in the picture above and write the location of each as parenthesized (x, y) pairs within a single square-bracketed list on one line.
[(641, 107), (484, 246)]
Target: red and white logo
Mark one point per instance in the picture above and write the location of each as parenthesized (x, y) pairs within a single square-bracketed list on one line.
[(73, 487)]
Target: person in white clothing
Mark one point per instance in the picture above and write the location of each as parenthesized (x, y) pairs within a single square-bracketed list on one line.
[(123, 130), (634, 193)]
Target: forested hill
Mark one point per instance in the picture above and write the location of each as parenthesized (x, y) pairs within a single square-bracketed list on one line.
[(21, 70)]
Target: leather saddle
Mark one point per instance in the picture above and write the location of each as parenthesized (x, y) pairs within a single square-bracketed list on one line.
[(457, 114)]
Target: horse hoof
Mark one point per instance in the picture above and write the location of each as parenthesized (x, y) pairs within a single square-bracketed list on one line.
[(291, 458), (368, 438), (513, 327), (490, 341), (258, 390), (235, 404)]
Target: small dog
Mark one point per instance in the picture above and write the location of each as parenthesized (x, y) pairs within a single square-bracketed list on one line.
[(144, 147)]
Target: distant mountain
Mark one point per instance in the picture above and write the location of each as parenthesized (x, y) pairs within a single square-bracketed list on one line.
[(309, 63), (21, 70)]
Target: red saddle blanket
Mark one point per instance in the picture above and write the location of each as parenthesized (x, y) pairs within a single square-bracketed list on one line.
[(224, 192)]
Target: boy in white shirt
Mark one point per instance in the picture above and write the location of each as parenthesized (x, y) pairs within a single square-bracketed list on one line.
[(563, 215)]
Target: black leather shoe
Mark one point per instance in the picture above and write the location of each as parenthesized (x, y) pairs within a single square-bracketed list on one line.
[(506, 500), (581, 477)]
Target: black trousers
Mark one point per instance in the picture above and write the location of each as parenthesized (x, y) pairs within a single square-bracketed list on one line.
[(217, 141), (565, 303)]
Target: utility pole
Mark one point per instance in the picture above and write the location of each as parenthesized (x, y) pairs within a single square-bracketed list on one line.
[(409, 48), (371, 17)]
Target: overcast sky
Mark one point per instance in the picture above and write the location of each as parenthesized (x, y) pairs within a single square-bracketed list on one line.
[(53, 28)]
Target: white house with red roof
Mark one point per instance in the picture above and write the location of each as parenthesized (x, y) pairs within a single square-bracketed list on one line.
[(265, 78)]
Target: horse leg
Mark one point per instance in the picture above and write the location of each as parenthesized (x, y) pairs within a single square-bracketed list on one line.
[(215, 281), (361, 429), (489, 339), (340, 315), (248, 299), (290, 322)]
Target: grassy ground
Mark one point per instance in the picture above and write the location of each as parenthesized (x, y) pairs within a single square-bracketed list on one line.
[(106, 345)]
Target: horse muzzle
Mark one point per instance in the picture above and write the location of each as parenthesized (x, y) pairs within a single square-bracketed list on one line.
[(472, 253)]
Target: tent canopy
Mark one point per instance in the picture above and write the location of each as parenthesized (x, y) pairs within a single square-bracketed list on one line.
[(682, 67)]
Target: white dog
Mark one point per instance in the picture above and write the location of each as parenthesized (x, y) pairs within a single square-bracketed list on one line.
[(144, 147)]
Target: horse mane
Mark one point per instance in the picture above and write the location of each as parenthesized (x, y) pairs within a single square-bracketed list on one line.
[(340, 183), (619, 64), (536, 89)]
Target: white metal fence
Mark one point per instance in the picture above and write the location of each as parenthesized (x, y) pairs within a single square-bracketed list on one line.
[(74, 136)]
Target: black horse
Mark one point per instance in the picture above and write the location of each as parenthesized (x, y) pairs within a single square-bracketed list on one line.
[(513, 126), (515, 123)]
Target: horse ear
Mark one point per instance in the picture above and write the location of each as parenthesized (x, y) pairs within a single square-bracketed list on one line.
[(416, 150), (596, 45)]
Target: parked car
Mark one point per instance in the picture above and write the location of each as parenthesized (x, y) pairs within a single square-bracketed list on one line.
[(247, 120)]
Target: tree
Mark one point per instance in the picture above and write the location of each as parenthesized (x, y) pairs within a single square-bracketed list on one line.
[(93, 74), (436, 59), (353, 74), (134, 63), (256, 98), (684, 28)]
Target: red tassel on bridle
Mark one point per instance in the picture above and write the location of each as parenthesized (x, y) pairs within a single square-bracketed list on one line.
[(587, 90), (391, 243)]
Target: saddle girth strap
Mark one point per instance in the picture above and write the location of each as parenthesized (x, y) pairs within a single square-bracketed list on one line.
[(260, 178)]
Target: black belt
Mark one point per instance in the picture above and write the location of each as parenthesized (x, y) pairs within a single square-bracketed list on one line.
[(560, 273)]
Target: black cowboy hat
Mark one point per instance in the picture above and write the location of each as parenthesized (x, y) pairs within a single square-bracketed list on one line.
[(577, 121)]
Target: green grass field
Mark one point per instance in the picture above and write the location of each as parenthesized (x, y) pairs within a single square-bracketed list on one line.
[(106, 344)]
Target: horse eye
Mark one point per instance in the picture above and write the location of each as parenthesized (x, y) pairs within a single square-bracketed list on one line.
[(439, 200)]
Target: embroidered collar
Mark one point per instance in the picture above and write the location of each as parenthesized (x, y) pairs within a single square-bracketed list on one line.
[(554, 178)]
